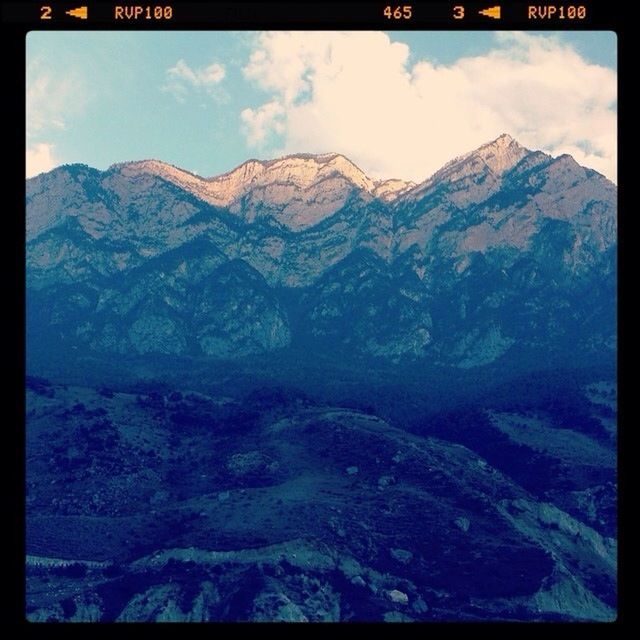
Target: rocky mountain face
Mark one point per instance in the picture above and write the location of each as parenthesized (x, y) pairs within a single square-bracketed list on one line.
[(294, 393), (503, 249)]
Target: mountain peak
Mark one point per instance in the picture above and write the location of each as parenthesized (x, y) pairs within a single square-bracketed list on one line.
[(306, 169), (494, 158), (502, 144), (503, 140), (158, 168), (500, 154)]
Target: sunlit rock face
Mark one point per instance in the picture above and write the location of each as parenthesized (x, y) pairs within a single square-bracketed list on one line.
[(503, 248)]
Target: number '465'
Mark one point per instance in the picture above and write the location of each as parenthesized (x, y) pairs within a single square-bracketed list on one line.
[(398, 13)]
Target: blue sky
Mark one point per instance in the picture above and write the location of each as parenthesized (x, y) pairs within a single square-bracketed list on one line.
[(399, 104)]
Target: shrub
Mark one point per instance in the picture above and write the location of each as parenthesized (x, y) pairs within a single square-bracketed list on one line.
[(113, 571), (73, 570), (41, 386)]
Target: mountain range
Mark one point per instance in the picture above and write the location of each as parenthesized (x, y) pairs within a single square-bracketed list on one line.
[(292, 392), (502, 250)]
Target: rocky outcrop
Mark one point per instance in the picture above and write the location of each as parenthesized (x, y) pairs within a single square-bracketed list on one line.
[(499, 250)]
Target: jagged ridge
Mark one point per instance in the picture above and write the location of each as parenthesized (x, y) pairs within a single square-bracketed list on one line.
[(466, 262)]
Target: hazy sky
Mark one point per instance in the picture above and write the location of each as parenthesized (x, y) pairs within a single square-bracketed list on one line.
[(398, 104)]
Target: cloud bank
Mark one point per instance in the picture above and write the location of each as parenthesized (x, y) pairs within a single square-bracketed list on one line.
[(361, 94)]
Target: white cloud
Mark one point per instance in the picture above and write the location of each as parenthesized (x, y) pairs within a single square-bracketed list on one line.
[(258, 123), (358, 93), (40, 158), (181, 79), (52, 99)]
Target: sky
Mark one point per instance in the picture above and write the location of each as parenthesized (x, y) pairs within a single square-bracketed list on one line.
[(398, 104)]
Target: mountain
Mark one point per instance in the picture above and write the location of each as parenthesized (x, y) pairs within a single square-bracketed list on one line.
[(297, 191), (292, 392), (503, 250)]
